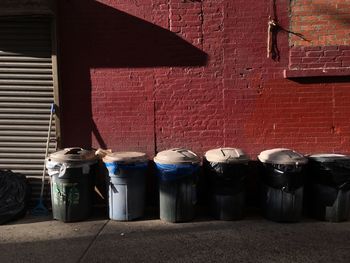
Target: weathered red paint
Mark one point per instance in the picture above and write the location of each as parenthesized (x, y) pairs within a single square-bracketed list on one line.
[(154, 74)]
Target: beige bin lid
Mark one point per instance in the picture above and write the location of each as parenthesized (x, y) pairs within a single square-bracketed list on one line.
[(226, 155), (125, 157), (74, 154), (177, 156), (282, 156)]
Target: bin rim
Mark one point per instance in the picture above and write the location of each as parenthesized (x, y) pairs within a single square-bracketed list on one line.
[(69, 164), (226, 155), (328, 157), (282, 156), (177, 156), (125, 157)]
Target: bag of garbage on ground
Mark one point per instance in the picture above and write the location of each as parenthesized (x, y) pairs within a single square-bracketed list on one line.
[(13, 196)]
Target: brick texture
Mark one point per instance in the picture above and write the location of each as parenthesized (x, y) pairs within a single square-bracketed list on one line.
[(154, 74), (319, 57), (324, 26), (321, 22)]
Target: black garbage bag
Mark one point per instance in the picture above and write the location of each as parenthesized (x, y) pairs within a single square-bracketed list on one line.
[(13, 195), (282, 176), (226, 178), (334, 173)]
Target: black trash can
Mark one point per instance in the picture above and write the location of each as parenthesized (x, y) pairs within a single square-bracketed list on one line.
[(72, 173), (177, 170), (226, 169), (327, 190), (282, 184)]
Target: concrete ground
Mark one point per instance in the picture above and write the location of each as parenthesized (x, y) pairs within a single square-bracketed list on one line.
[(254, 239)]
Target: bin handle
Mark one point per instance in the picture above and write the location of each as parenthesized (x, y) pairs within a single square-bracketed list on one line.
[(229, 157), (73, 150), (222, 151), (114, 189), (181, 150)]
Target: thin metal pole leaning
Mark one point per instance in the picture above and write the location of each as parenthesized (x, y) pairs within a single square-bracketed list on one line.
[(52, 110)]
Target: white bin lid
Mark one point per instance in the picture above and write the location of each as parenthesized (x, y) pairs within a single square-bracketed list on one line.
[(125, 157), (282, 156), (226, 155), (177, 156), (328, 157), (74, 154)]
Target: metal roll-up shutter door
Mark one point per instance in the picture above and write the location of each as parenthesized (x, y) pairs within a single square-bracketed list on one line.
[(26, 92)]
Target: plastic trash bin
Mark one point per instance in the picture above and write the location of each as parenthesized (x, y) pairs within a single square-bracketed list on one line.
[(72, 173), (327, 190), (283, 181), (126, 184), (177, 170), (226, 169)]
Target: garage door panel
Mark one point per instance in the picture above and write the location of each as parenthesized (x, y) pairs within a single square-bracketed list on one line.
[(26, 94)]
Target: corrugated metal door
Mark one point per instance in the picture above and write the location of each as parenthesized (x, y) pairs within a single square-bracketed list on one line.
[(26, 92)]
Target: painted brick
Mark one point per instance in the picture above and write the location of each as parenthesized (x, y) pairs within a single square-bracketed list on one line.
[(322, 58), (331, 53), (333, 64), (345, 58), (150, 75), (307, 60), (313, 48), (322, 23), (314, 54)]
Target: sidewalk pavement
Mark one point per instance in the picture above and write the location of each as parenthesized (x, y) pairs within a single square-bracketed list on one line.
[(254, 239)]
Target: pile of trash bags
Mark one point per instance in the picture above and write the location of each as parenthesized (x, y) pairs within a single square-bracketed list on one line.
[(14, 193)]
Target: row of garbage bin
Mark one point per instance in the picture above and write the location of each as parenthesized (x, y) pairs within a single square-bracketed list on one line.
[(285, 174)]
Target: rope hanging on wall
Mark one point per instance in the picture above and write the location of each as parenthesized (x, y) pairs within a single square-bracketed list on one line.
[(271, 30)]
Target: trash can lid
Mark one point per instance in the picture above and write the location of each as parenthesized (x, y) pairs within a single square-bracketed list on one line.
[(74, 154), (125, 157), (329, 157), (226, 155), (282, 156), (177, 156)]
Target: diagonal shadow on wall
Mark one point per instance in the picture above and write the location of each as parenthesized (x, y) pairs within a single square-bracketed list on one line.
[(94, 35)]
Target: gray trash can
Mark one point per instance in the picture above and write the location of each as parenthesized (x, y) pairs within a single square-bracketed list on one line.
[(327, 190), (177, 170), (126, 184), (72, 172), (283, 182), (226, 169)]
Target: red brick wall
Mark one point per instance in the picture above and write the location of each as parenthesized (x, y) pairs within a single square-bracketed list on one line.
[(305, 57), (322, 22), (325, 28), (153, 74)]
